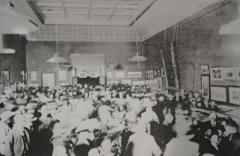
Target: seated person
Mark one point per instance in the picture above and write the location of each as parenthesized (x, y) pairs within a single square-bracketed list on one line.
[(212, 124)]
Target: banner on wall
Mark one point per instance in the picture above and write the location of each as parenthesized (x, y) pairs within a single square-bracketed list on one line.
[(85, 72), (134, 74), (81, 74), (93, 74)]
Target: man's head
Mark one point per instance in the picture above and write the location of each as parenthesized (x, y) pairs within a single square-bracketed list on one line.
[(214, 139), (213, 116), (183, 124)]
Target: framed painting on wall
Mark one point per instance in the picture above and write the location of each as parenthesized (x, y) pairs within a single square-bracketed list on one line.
[(134, 74), (5, 75), (216, 74), (205, 86), (229, 73), (204, 69), (237, 73), (218, 93), (234, 95)]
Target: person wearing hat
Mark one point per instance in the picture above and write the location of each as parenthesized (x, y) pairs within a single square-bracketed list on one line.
[(5, 127), (17, 143)]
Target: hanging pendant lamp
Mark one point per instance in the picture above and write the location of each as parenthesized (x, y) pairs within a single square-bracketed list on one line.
[(137, 58), (57, 58)]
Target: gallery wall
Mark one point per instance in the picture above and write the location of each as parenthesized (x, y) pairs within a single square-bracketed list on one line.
[(198, 42), (115, 52), (15, 63)]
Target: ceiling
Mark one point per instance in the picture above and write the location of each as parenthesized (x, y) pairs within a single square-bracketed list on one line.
[(16, 17), (91, 12), (76, 16), (149, 16), (166, 13)]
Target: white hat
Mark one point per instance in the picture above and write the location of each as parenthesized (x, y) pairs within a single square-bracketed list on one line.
[(6, 115)]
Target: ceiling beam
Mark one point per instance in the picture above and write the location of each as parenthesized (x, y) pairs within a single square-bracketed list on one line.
[(64, 8), (36, 10), (143, 11), (83, 5), (114, 8), (59, 12), (90, 5), (83, 21)]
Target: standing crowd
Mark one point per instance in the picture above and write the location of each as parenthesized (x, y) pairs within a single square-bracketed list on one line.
[(113, 120)]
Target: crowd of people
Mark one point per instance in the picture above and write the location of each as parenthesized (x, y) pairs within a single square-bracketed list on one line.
[(113, 120)]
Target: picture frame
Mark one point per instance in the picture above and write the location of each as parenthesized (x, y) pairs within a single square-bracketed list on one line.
[(216, 74), (229, 73), (234, 95), (204, 69), (205, 86), (1, 88), (237, 73), (146, 74), (134, 74), (5, 75), (218, 93)]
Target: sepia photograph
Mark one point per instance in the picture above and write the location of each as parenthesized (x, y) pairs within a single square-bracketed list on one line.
[(119, 77), (216, 74), (204, 69), (205, 87), (234, 95), (229, 73)]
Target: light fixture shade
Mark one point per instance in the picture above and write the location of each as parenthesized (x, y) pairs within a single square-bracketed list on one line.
[(7, 51), (138, 58), (57, 59), (231, 28)]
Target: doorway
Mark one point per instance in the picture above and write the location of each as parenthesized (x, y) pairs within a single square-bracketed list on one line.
[(90, 81)]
